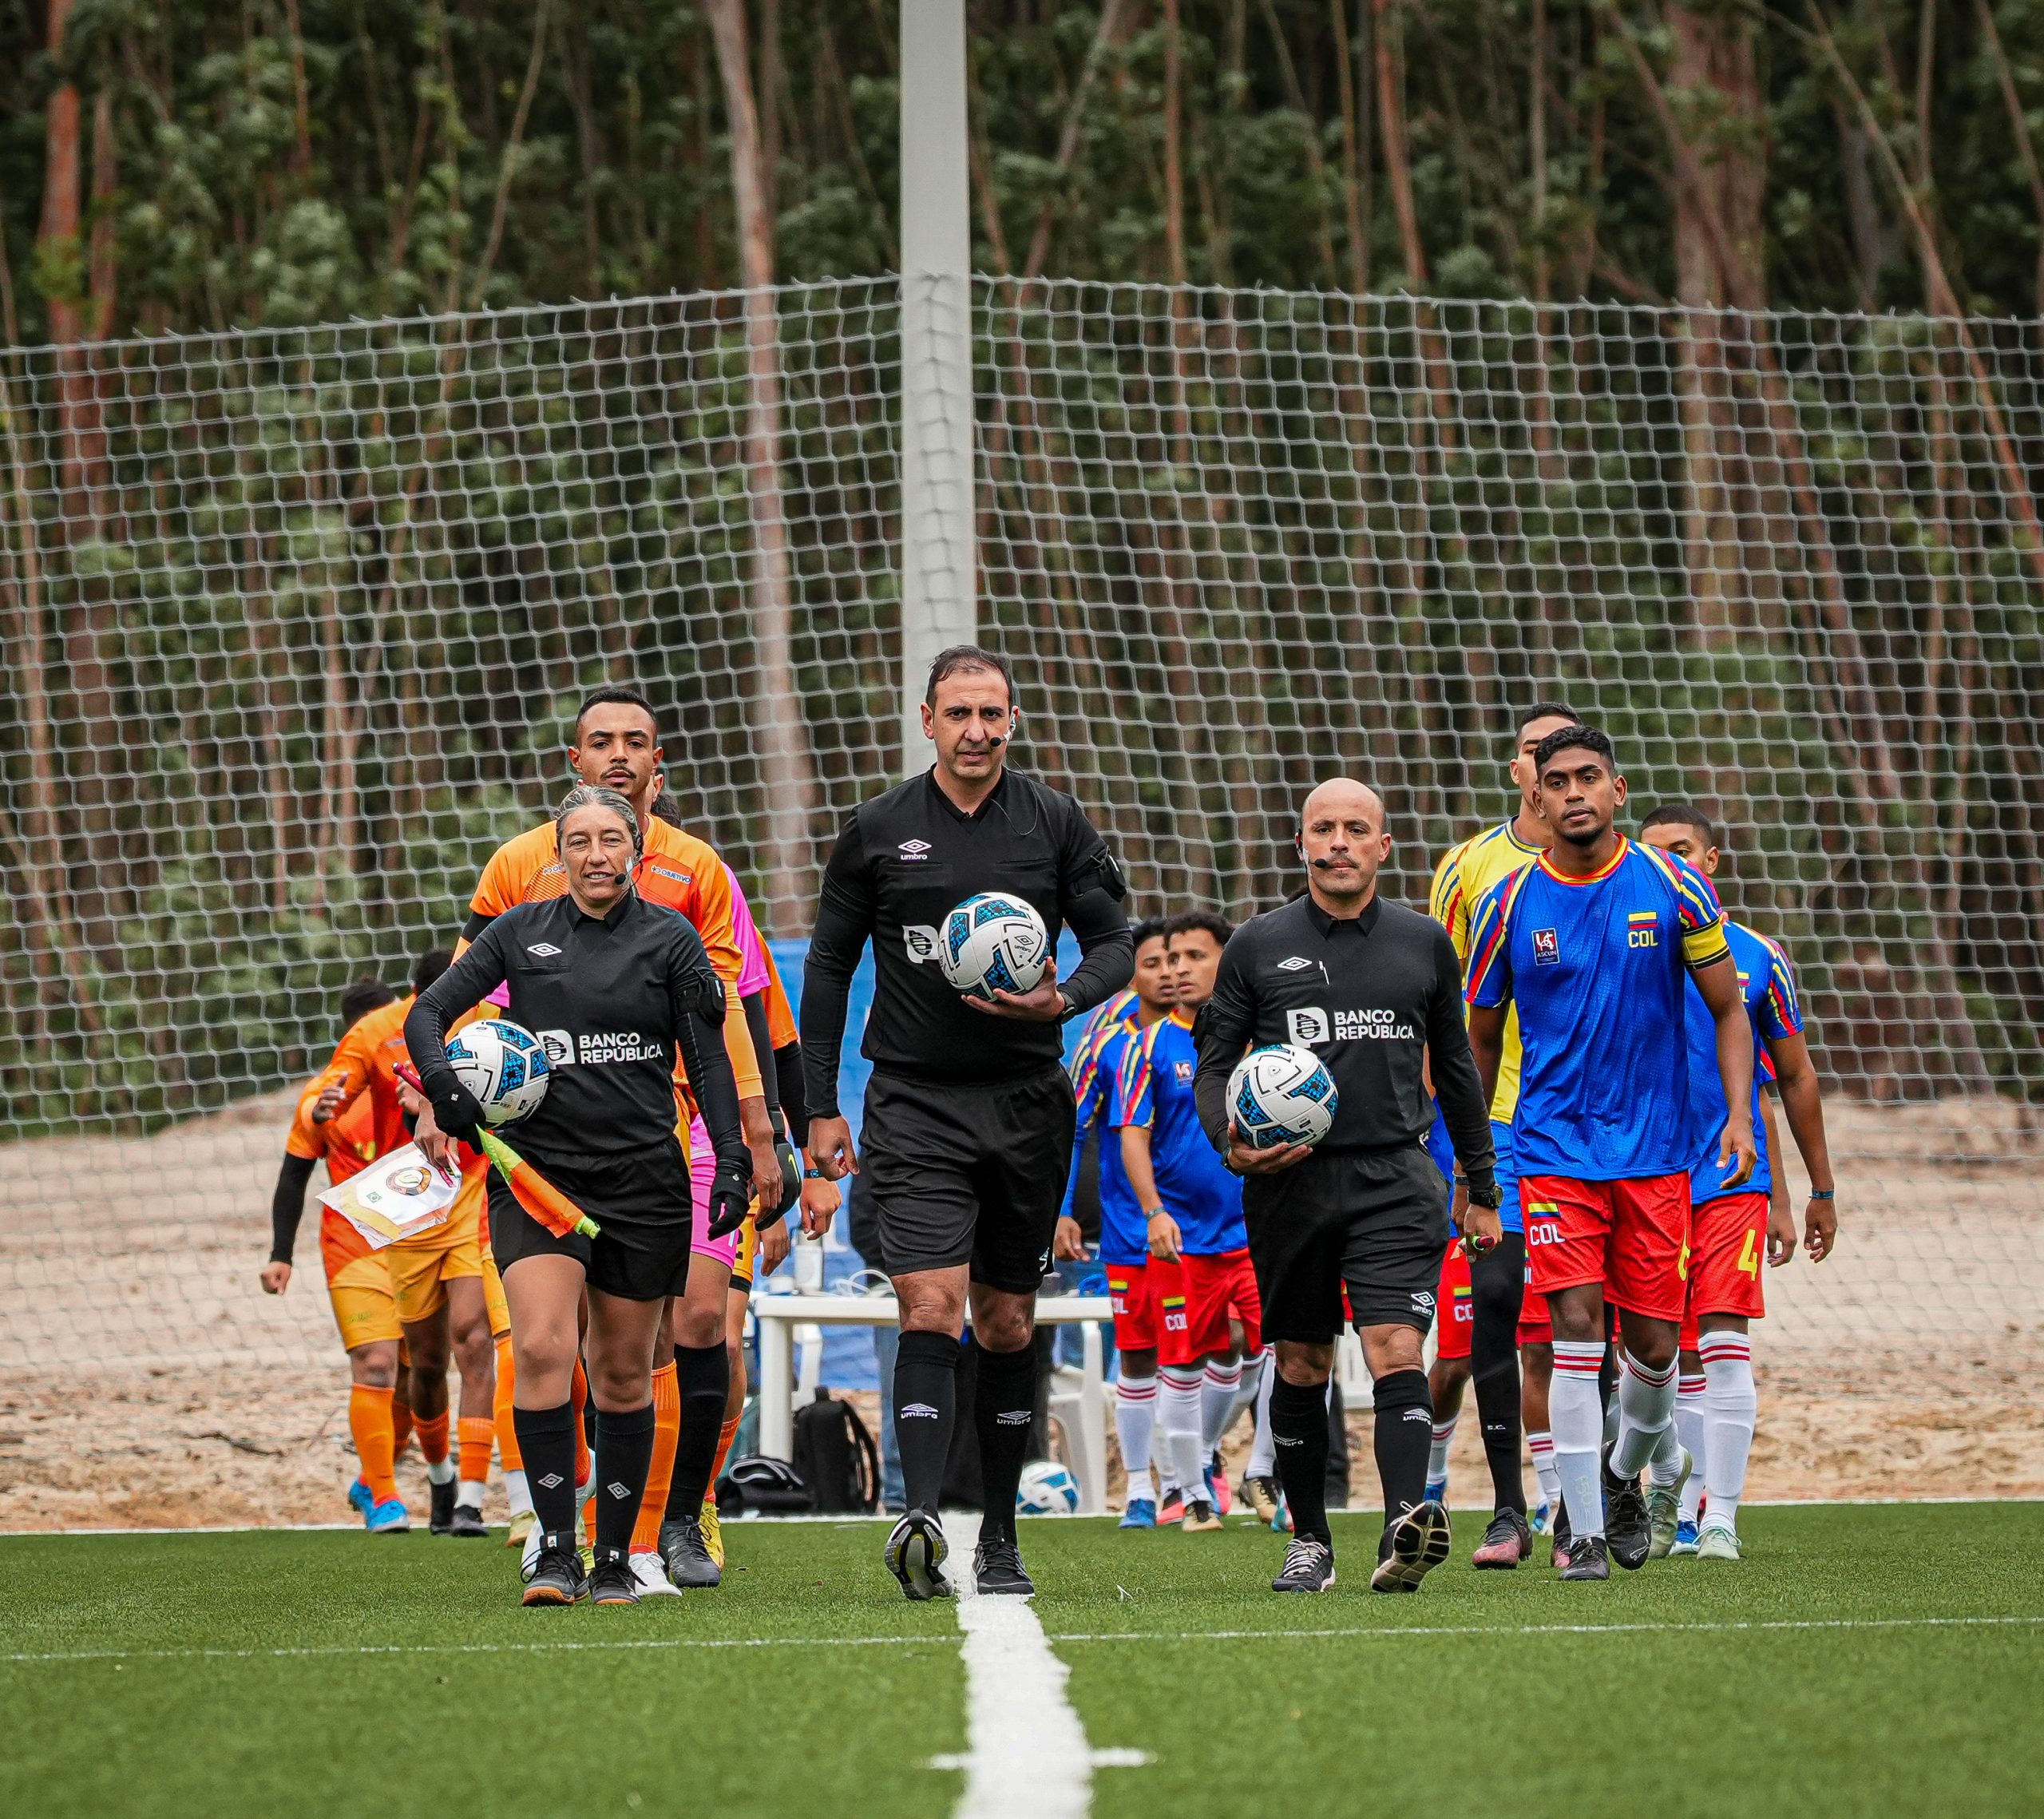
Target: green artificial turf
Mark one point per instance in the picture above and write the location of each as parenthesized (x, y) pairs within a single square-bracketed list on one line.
[(317, 1673)]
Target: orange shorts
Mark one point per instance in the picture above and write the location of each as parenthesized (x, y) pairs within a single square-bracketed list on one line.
[(421, 1267), (1454, 1304), (1217, 1291), (1134, 1289), (1630, 1236), (365, 1305), (1728, 1252)]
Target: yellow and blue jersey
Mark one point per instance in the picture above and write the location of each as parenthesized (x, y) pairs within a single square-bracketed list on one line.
[(1124, 1234), (1597, 968), (1153, 1088), (1767, 984), (1466, 874)]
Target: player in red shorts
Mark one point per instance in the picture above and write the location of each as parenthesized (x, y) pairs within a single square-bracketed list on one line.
[(1455, 1324), (1733, 1226), (1595, 942), (1212, 1317)]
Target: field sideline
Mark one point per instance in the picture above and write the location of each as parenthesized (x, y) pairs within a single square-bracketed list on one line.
[(1851, 1664)]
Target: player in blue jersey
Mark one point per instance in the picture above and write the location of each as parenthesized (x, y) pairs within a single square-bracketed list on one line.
[(1192, 1208), (1733, 1227), (1594, 943), (1124, 1248)]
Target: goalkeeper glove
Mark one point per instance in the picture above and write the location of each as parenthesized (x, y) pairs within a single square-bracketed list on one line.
[(730, 1197)]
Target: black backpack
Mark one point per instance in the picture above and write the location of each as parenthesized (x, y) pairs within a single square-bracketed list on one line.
[(762, 1487), (835, 1457)]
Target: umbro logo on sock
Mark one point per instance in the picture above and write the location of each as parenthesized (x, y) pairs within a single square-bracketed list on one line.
[(618, 1490), (550, 1479), (1014, 1418), (918, 1411), (1424, 1415), (1287, 1439)]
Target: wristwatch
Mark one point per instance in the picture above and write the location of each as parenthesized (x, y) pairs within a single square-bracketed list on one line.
[(1487, 1198), (1070, 1010)]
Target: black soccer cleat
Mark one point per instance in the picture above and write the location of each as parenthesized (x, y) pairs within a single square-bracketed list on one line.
[(1414, 1545), (1564, 1536), (916, 1553), (1626, 1526), (687, 1555), (467, 1522), (997, 1568), (1589, 1557), (1508, 1540), (1309, 1566), (557, 1577), (610, 1581), (440, 1520)]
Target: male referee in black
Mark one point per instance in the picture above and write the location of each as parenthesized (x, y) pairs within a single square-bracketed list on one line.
[(1373, 989), (969, 1115)]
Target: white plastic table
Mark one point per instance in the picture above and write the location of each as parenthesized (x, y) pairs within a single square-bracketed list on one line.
[(1078, 1399)]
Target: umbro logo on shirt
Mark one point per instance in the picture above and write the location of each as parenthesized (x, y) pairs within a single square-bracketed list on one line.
[(546, 950), (918, 1412), (1295, 964), (913, 849)]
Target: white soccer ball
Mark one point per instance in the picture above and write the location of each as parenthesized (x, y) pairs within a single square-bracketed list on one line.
[(1047, 1489), (993, 942), (1282, 1094), (504, 1065)]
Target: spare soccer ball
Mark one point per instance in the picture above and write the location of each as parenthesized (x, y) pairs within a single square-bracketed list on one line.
[(1282, 1094), (993, 942), (504, 1065), (1047, 1489)]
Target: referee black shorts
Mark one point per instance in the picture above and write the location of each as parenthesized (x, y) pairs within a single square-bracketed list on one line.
[(969, 1174), (641, 1200), (1373, 1222)]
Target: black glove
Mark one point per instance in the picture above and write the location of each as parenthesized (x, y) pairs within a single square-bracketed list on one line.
[(784, 1152), (730, 1197), (457, 1111)]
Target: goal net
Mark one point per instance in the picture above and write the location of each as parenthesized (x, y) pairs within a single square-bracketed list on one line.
[(293, 622)]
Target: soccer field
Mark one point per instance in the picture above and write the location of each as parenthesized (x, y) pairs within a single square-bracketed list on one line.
[(1861, 1659)]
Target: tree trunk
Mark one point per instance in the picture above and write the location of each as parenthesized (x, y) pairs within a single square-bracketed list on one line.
[(788, 771), (1353, 152), (1113, 15)]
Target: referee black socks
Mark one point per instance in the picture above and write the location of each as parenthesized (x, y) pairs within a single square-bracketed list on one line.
[(622, 1461), (546, 1437), (702, 1379), (925, 1406), (1298, 1428), (1003, 1411), (1404, 1426)]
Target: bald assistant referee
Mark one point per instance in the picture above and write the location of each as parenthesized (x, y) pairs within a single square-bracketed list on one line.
[(969, 1116), (1375, 990)]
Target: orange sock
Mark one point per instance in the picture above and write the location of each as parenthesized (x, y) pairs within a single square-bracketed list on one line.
[(660, 1474), (508, 1455), (401, 1421), (368, 1421), (433, 1437), (728, 1433), (477, 1433), (578, 1393)]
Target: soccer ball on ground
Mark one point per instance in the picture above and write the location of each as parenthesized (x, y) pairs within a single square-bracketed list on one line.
[(1282, 1094), (504, 1065), (993, 942), (1047, 1488)]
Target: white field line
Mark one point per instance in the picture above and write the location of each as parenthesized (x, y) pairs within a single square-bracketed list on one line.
[(1100, 1759)]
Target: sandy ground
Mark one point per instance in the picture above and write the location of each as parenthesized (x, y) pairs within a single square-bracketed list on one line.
[(145, 1380)]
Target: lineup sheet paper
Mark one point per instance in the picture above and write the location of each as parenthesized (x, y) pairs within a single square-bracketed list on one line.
[(397, 1197)]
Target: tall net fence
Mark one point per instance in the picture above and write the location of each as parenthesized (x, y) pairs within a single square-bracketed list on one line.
[(293, 622)]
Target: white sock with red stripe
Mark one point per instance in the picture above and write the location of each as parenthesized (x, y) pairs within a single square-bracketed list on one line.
[(1646, 1412), (1135, 1421), (1178, 1423), (1576, 1414), (1542, 1447), (1262, 1449), (1218, 1392), (1690, 1417), (1437, 1460), (1732, 1405)]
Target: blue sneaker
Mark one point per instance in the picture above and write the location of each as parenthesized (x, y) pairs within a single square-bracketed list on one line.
[(1685, 1540), (1542, 1517), (1436, 1491), (389, 1517), (1141, 1513), (361, 1498)]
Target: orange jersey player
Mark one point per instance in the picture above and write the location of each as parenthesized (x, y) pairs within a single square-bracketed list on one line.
[(358, 1277)]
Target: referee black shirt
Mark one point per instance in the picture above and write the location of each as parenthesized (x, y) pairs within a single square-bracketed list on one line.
[(904, 861), (1370, 995)]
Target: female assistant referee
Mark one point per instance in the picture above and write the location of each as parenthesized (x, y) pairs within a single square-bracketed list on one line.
[(613, 986)]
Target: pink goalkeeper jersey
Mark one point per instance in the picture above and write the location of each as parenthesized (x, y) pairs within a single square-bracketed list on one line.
[(752, 975)]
